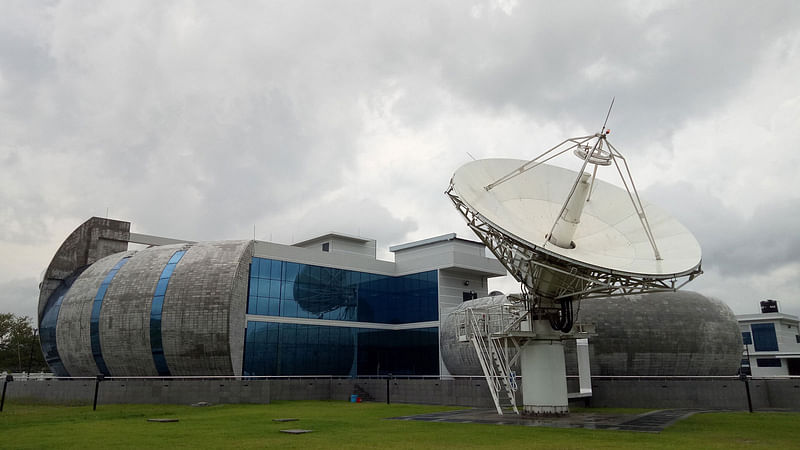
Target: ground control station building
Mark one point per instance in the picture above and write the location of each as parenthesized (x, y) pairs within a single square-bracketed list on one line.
[(326, 306), (323, 306)]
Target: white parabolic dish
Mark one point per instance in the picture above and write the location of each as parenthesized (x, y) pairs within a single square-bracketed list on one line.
[(610, 237)]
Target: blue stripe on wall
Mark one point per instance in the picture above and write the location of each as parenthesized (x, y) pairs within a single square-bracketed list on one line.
[(94, 322), (47, 336), (156, 343)]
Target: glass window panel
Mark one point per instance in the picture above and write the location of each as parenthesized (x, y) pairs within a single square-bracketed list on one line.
[(288, 308), (275, 271), (309, 274), (768, 362), (251, 304), (290, 271), (263, 287), (167, 272), (264, 268), (263, 306), (288, 291), (109, 276), (254, 267), (275, 289), (101, 292), (176, 257), (272, 333), (161, 287), (764, 337), (274, 308), (253, 286), (158, 302)]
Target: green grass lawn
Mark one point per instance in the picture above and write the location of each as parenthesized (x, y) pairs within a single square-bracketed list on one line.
[(356, 425)]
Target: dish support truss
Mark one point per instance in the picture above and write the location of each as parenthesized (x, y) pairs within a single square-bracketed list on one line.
[(531, 265)]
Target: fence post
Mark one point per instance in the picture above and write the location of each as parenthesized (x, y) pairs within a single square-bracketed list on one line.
[(743, 377), (388, 394), (3, 397), (97, 381)]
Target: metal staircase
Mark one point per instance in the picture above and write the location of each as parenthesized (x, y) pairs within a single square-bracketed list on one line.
[(492, 352)]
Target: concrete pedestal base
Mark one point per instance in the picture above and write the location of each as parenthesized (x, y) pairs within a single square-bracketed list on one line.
[(544, 378)]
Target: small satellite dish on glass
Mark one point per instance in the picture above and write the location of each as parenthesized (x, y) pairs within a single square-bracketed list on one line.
[(567, 236)]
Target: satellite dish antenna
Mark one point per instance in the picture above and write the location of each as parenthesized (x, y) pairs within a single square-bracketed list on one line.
[(567, 236)]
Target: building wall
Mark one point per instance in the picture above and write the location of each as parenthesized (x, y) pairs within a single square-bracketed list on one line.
[(73, 332), (125, 336), (318, 257), (306, 319), (91, 241), (107, 322), (204, 309), (357, 248), (777, 345), (181, 308), (704, 393)]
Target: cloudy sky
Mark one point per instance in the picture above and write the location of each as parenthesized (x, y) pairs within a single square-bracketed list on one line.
[(207, 120)]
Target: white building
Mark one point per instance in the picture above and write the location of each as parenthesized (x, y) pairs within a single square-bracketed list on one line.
[(772, 341)]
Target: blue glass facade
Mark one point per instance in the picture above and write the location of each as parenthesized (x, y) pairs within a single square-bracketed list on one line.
[(294, 349), (94, 321), (293, 290), (156, 344), (287, 289)]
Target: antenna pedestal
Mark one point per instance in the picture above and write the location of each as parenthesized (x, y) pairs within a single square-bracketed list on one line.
[(544, 385)]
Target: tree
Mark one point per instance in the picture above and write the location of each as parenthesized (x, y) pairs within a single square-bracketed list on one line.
[(19, 346)]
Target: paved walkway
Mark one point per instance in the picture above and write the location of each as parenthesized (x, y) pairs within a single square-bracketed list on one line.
[(652, 422)]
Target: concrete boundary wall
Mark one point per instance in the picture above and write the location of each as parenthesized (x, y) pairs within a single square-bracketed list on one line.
[(704, 393)]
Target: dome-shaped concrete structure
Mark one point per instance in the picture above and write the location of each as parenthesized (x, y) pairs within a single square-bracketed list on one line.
[(460, 357), (665, 333)]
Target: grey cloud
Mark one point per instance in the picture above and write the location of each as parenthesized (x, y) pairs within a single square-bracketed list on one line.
[(680, 62), (198, 120), (732, 244), (19, 296), (364, 217)]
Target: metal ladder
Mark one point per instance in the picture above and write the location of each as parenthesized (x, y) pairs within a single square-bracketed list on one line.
[(494, 361)]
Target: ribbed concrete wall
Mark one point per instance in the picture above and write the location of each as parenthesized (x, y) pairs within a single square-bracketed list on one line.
[(125, 317), (203, 315), (73, 329), (204, 309)]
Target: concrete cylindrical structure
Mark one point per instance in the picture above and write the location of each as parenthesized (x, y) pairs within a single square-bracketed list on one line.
[(168, 310)]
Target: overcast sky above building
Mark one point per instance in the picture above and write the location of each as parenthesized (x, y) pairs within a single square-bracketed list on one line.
[(209, 120)]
